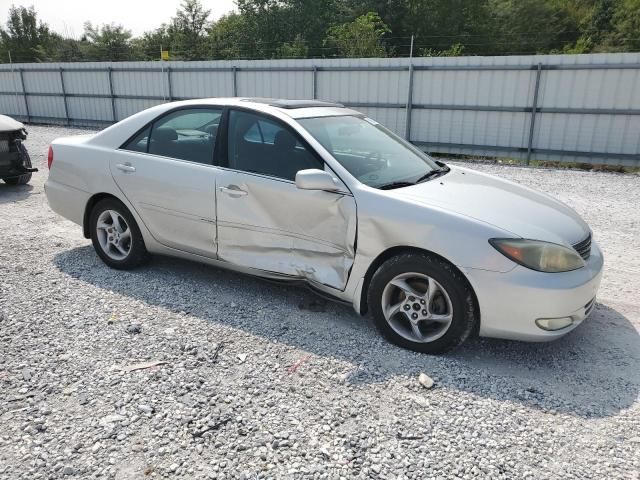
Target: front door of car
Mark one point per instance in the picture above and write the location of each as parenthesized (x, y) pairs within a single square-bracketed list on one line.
[(265, 221), (167, 174)]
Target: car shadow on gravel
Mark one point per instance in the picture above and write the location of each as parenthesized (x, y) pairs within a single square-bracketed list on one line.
[(14, 193), (592, 372)]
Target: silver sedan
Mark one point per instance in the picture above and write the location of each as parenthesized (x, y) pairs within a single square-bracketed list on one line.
[(315, 192)]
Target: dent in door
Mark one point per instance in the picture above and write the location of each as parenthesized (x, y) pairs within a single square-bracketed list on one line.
[(311, 238)]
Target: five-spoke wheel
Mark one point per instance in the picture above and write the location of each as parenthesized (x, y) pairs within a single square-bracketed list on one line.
[(421, 302), (115, 235), (417, 307)]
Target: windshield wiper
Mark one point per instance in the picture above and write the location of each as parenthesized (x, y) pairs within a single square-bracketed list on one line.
[(392, 185), (433, 173)]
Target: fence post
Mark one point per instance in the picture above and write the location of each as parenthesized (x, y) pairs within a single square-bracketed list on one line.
[(234, 71), (534, 110), (407, 128), (64, 97), (314, 80), (24, 94), (113, 99), (169, 83)]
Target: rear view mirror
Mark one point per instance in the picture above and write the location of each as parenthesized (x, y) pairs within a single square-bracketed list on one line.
[(315, 179)]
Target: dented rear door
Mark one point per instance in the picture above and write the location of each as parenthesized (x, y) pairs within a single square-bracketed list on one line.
[(269, 224)]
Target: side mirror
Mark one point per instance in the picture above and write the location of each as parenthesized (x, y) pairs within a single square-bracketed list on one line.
[(315, 179)]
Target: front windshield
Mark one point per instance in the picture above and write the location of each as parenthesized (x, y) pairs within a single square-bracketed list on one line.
[(369, 152)]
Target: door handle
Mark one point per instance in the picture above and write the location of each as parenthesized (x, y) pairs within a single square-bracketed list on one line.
[(126, 167), (233, 191)]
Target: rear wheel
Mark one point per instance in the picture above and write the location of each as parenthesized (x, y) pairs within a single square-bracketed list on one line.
[(26, 161), (422, 303), (115, 235)]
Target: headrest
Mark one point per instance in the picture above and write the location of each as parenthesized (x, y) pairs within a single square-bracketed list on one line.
[(284, 140), (211, 130), (164, 134)]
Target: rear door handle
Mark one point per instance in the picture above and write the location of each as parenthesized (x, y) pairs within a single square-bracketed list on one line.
[(126, 167), (233, 191)]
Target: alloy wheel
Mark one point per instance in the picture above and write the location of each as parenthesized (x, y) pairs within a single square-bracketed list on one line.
[(417, 307), (114, 235)]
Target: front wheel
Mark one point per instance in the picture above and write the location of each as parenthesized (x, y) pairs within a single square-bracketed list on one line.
[(115, 235), (422, 303)]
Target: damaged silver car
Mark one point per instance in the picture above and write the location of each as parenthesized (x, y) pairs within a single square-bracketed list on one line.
[(15, 163), (315, 192)]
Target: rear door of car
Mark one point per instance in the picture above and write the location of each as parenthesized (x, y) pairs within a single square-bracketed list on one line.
[(166, 172), (265, 221)]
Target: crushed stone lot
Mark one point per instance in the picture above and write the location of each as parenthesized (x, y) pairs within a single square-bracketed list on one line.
[(181, 370)]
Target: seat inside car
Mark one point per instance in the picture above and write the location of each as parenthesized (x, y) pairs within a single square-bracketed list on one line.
[(164, 142), (283, 158)]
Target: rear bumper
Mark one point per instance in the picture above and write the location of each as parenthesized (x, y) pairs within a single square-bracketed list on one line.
[(66, 201), (510, 303)]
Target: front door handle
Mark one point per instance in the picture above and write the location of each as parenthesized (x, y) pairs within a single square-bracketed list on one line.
[(126, 167), (233, 191)]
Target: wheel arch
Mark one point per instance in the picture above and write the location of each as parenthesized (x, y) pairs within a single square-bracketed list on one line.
[(89, 207), (400, 250)]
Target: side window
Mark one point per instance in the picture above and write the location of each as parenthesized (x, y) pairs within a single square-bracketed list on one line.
[(188, 134), (261, 145), (139, 142)]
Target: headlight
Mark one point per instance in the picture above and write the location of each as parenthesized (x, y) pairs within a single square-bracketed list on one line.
[(537, 255)]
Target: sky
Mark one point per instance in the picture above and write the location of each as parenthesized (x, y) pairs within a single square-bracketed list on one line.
[(67, 17)]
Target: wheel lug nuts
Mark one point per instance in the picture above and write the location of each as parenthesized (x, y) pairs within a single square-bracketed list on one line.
[(424, 312), (422, 302), (407, 307), (414, 316)]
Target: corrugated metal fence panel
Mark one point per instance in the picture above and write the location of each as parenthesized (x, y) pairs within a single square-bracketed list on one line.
[(614, 88), (470, 105), (471, 88), (201, 84), (11, 103)]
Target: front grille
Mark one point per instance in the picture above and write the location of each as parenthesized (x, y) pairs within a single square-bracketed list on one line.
[(588, 308), (584, 248), (4, 146)]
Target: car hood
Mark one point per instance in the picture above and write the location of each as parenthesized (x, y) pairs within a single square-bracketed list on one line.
[(504, 204), (8, 124)]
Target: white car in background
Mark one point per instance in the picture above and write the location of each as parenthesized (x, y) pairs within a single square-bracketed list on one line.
[(312, 191)]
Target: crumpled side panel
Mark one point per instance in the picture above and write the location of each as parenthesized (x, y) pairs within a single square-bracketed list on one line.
[(280, 228)]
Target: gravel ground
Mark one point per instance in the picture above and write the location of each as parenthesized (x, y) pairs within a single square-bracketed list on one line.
[(255, 380)]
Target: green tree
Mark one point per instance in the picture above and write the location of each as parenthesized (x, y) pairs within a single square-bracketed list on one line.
[(148, 46), (361, 38), (440, 25), (106, 42), (187, 31), (25, 38), (272, 24), (230, 38), (530, 26), (626, 20), (296, 49)]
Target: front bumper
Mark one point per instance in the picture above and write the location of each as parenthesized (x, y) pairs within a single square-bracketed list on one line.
[(12, 165), (511, 302)]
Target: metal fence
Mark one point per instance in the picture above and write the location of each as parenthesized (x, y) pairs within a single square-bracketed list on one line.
[(583, 108)]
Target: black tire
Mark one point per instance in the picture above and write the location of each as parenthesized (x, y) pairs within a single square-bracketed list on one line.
[(138, 252), (26, 161), (465, 315)]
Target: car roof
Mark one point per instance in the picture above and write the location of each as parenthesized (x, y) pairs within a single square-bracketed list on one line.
[(292, 108)]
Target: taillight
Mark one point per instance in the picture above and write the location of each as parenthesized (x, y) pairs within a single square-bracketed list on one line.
[(50, 157)]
